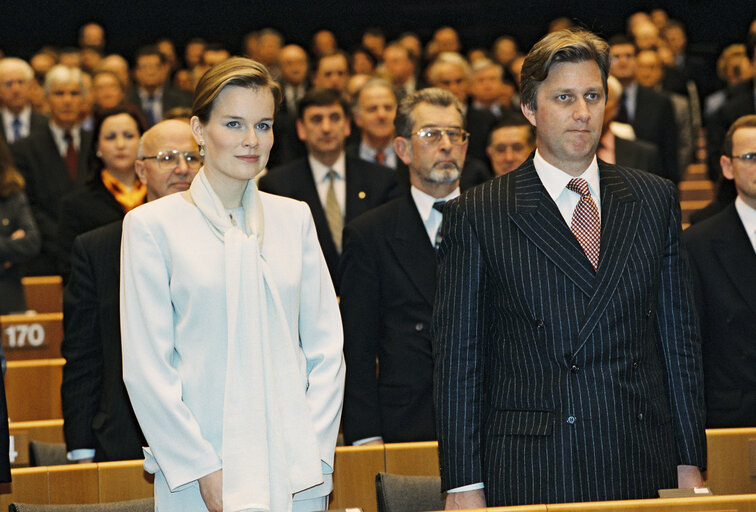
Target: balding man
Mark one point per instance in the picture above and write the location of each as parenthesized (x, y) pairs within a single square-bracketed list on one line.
[(293, 65), (18, 118), (99, 424), (374, 113)]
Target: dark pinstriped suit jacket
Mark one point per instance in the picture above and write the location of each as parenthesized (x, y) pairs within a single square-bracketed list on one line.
[(554, 383)]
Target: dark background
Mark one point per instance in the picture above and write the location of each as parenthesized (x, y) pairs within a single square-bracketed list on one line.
[(25, 26)]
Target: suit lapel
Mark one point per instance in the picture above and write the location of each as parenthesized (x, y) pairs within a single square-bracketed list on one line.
[(356, 190), (734, 250), (413, 250), (620, 214), (539, 219)]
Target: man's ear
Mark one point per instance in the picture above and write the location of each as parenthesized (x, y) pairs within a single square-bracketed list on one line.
[(141, 172), (403, 149), (726, 163), (528, 113), (301, 131)]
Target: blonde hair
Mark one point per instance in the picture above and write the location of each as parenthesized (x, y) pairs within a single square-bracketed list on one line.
[(236, 71)]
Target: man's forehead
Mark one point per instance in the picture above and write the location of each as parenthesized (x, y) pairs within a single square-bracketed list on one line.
[(170, 137), (745, 136), (316, 110), (426, 114), (65, 86), (507, 133)]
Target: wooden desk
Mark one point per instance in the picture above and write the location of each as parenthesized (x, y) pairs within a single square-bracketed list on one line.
[(44, 294), (32, 389), (22, 432), (31, 336)]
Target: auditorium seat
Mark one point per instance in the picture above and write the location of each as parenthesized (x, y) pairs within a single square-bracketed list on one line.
[(32, 336), (44, 294), (401, 493), (32, 389)]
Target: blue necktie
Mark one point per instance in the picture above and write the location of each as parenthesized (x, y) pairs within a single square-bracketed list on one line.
[(17, 125)]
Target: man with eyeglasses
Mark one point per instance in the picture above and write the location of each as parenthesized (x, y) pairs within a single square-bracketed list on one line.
[(99, 424), (388, 280), (722, 251)]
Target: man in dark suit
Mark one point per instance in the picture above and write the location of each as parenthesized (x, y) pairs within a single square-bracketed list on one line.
[(722, 250), (54, 161), (99, 423), (650, 113), (336, 187), (374, 111), (152, 94), (567, 359), (388, 280), (614, 149), (17, 118)]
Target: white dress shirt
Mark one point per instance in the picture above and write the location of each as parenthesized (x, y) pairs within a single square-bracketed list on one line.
[(430, 216), (748, 218), (59, 135), (24, 116), (320, 175), (369, 154), (555, 181)]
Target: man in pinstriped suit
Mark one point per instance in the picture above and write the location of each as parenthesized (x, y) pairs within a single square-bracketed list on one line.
[(559, 378)]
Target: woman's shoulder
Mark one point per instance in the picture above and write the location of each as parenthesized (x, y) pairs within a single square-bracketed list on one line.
[(165, 209), (284, 205)]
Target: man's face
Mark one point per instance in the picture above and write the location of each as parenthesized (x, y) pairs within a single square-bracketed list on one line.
[(741, 170), (509, 147), (376, 113), (150, 72), (648, 69), (166, 137), (323, 130), (193, 53), (213, 57), (293, 61), (65, 100), (446, 40), (676, 39), (433, 163), (268, 48), (623, 61), (486, 85), (505, 51), (93, 35), (398, 64), (451, 77), (106, 91), (14, 90), (568, 116), (332, 73), (324, 42)]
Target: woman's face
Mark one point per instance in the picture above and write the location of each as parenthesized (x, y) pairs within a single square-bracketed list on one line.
[(239, 134), (118, 142)]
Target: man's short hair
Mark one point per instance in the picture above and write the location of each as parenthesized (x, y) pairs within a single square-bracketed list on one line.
[(373, 82), (433, 96), (513, 119), (449, 58), (619, 39), (555, 48), (481, 64), (9, 63), (748, 121), (150, 49), (61, 74), (321, 97)]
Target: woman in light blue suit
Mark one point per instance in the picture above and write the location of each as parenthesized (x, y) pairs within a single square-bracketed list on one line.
[(232, 338)]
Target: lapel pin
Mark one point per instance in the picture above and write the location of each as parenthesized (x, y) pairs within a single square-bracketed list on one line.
[(361, 194)]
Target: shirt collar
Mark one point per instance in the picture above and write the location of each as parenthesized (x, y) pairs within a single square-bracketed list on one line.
[(555, 180), (320, 171), (424, 202), (748, 218)]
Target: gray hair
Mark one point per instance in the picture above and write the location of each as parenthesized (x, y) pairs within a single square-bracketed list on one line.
[(433, 96), (449, 58), (555, 48), (61, 74), (373, 82), (11, 63)]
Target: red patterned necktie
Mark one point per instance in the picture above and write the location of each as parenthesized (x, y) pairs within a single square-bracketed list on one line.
[(380, 157), (586, 223)]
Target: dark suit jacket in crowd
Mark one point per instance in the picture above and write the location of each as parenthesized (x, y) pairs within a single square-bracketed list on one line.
[(84, 210), (37, 123), (96, 409), (367, 185), (388, 280), (654, 122), (15, 214), (47, 180), (478, 123), (172, 98), (554, 382), (637, 154), (474, 172), (724, 271)]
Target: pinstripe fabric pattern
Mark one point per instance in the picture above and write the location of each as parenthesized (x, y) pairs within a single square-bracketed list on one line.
[(555, 382)]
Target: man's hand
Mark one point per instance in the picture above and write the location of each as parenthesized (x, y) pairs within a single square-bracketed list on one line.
[(465, 499), (85, 461), (689, 477), (211, 489), (18, 234)]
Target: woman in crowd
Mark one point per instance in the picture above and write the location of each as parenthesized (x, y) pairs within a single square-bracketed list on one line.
[(231, 332), (19, 237), (113, 188)]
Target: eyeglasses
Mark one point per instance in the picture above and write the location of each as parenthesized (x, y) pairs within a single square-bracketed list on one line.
[(433, 135), (746, 158), (169, 160)]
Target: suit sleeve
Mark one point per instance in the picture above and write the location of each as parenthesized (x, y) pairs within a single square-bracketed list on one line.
[(681, 344), (459, 348), (153, 384), (21, 249), (360, 303), (322, 340), (82, 374)]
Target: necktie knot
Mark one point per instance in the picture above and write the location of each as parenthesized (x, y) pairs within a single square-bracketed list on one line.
[(580, 186), (380, 156), (439, 206)]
